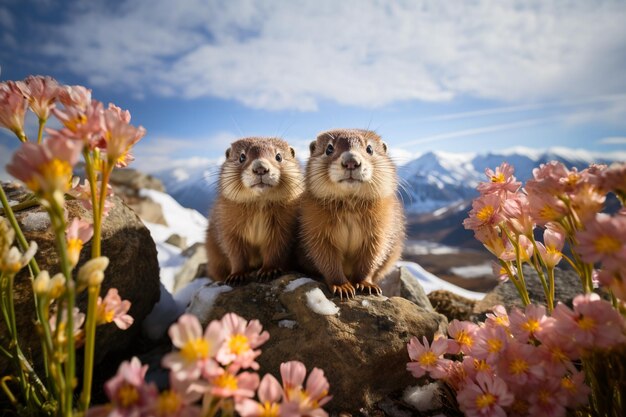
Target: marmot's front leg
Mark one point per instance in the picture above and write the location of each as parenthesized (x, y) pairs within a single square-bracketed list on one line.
[(238, 255)]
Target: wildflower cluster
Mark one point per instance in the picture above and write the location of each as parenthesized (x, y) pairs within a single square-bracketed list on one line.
[(568, 205), (523, 364), (210, 371), (104, 137)]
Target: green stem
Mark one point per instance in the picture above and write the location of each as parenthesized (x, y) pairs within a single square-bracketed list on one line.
[(53, 367), (90, 340), (42, 123), (552, 289), (21, 239), (97, 219), (7, 391), (523, 291)]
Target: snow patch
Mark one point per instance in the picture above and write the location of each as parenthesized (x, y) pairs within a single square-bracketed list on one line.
[(473, 271), (288, 324), (431, 282), (163, 314), (423, 398), (296, 283), (203, 300), (184, 295), (365, 303), (38, 221), (319, 304), (423, 247)]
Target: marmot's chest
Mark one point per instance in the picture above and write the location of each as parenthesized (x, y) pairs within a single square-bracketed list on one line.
[(257, 228), (350, 233)]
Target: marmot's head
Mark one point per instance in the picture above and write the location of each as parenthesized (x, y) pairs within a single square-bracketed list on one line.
[(261, 169), (350, 163)]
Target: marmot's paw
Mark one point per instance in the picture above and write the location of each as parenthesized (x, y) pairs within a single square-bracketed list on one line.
[(369, 287), (346, 290), (266, 275), (236, 279)]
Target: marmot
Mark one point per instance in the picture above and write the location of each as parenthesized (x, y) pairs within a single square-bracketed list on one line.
[(253, 222), (352, 222)]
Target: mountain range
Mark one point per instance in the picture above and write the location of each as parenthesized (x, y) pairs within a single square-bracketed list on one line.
[(433, 183)]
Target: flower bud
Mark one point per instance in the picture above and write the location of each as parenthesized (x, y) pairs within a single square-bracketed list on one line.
[(41, 284), (92, 272)]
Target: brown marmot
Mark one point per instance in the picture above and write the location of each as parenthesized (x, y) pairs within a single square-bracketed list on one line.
[(253, 222), (352, 222)]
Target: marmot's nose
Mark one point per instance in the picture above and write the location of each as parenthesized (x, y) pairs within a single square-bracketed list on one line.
[(350, 164), (260, 168)]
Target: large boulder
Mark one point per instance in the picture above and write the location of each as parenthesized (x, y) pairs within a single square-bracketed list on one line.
[(133, 270), (361, 344)]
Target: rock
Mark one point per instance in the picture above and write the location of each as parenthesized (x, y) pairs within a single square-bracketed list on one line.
[(194, 266), (567, 286), (451, 305), (400, 283), (133, 181), (361, 344), (133, 270), (176, 240)]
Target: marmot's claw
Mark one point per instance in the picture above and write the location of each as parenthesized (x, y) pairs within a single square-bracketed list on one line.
[(266, 275), (369, 287), (346, 289), (235, 279)]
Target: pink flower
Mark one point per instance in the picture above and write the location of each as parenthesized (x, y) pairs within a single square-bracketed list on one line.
[(13, 107), (45, 168), (83, 193), (178, 401), (517, 214), (75, 96), (500, 180), (240, 340), (485, 212), (427, 358), (554, 239), (300, 400), (119, 136), (614, 179), (528, 324), (490, 343), (544, 206), (520, 364), (128, 392), (593, 323), (574, 389), (269, 393), (229, 385), (498, 317), (463, 337), (547, 400), (113, 309), (615, 280), (196, 349), (587, 201), (557, 352), (485, 398), (77, 234), (42, 93), (78, 319), (603, 240), (499, 245), (547, 178), (82, 122)]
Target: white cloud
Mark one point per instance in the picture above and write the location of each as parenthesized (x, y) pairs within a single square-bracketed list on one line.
[(613, 141), (293, 55)]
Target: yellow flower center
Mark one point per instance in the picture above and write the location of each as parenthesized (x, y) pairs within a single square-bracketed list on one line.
[(195, 349), (568, 384), (427, 359), (544, 397), (238, 344), (127, 395), (168, 403), (226, 380), (464, 339), (547, 212), (268, 409), (531, 325), (485, 213), (481, 365), (586, 323), (518, 366), (558, 355), (485, 400), (607, 244), (57, 169), (494, 345), (499, 177)]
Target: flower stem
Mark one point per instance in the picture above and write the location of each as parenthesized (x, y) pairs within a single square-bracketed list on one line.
[(42, 123), (90, 340), (21, 239)]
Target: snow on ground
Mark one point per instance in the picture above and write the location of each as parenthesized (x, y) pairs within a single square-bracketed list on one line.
[(423, 247), (473, 271), (431, 282)]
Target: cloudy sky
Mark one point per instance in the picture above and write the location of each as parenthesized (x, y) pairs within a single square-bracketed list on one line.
[(457, 76)]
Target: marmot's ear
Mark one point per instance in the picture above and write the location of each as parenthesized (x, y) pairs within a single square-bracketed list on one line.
[(312, 146), (293, 152), (385, 147), (227, 153)]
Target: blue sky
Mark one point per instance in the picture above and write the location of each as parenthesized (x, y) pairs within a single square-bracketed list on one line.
[(450, 76)]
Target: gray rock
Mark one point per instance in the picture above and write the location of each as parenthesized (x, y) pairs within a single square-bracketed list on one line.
[(361, 344), (193, 267), (401, 283), (176, 240)]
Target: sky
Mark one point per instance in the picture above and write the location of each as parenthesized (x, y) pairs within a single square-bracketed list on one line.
[(450, 76)]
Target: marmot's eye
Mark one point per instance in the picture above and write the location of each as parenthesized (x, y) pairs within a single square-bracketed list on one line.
[(279, 157), (329, 149), (242, 158), (369, 150)]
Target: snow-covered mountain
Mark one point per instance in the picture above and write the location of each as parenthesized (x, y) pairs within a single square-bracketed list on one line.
[(428, 183)]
